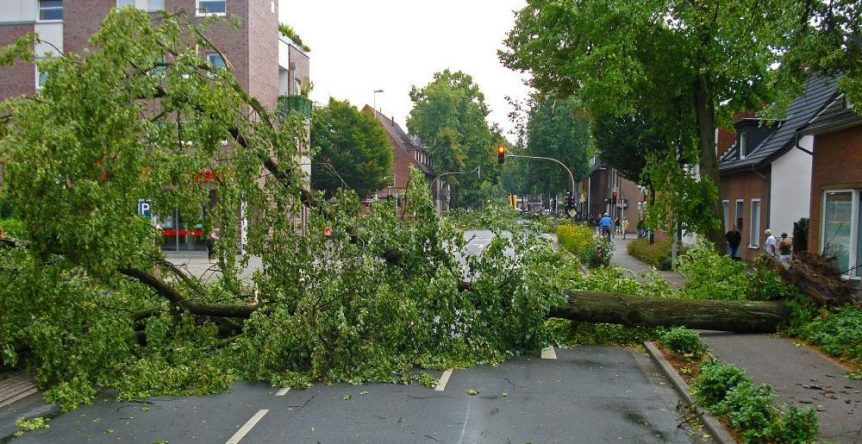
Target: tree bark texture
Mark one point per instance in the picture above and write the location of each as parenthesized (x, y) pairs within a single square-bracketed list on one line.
[(635, 311), (705, 112)]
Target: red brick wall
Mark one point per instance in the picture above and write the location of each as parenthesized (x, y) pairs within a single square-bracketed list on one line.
[(19, 79), (263, 50), (747, 185), (81, 19), (837, 165)]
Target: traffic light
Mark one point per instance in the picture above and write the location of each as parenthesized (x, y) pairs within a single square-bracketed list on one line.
[(501, 154)]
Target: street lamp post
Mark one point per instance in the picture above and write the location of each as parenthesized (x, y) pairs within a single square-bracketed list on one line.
[(376, 91), (571, 176)]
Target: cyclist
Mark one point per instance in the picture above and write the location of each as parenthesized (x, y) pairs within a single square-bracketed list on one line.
[(605, 223)]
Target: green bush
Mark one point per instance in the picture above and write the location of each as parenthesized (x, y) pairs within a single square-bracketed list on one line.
[(581, 241), (715, 381), (657, 254), (797, 426), (749, 409), (12, 227), (839, 333), (684, 342), (724, 390)]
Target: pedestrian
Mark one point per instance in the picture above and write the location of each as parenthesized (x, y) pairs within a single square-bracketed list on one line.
[(771, 245), (605, 224), (617, 225), (785, 248), (625, 224), (734, 238), (211, 241)]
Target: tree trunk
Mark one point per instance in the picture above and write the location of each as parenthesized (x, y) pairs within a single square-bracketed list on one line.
[(705, 112), (635, 311)]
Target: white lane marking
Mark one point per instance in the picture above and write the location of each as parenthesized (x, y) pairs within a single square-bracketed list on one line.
[(282, 392), (441, 384), (240, 434), (549, 353)]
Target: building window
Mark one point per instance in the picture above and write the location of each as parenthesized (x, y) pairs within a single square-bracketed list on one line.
[(216, 61), (214, 7), (841, 236), (754, 231), (149, 5), (725, 212), (41, 78), (50, 10), (743, 146), (739, 213)]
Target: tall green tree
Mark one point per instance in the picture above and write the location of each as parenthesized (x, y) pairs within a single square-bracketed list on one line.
[(625, 142), (684, 61), (351, 146), (449, 116), (557, 129)]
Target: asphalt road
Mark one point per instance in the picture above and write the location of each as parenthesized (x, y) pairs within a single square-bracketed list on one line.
[(585, 395)]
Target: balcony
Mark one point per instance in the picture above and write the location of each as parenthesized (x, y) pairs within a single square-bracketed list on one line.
[(295, 104)]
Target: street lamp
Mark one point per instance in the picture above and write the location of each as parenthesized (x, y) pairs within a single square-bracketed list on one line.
[(376, 91)]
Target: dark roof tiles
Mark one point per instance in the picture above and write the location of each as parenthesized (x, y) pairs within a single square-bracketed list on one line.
[(818, 93)]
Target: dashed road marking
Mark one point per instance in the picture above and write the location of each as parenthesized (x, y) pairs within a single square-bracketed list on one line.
[(549, 353), (441, 384), (282, 392), (240, 434)]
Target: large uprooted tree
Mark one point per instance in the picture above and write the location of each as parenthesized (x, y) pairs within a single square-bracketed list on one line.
[(89, 300)]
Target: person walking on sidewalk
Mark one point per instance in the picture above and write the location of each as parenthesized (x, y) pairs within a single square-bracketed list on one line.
[(625, 225), (734, 238), (771, 246), (605, 223)]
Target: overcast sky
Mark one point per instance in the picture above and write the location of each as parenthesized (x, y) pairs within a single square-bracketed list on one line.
[(361, 46)]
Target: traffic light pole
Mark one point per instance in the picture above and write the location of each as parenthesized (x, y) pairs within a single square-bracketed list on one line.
[(571, 176)]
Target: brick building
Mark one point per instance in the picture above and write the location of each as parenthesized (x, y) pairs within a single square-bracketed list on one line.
[(766, 172), (406, 151), (609, 192), (266, 64), (836, 185)]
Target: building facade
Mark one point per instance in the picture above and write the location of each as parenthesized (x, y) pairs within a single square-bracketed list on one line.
[(836, 186), (609, 192), (766, 173), (268, 65), (406, 151)]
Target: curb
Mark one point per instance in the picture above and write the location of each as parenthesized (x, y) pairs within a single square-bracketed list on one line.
[(718, 432)]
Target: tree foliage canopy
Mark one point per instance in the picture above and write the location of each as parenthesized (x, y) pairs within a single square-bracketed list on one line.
[(683, 62), (353, 144), (448, 115), (556, 130), (89, 300)]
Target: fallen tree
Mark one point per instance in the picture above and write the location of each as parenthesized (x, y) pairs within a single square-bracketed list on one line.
[(638, 311)]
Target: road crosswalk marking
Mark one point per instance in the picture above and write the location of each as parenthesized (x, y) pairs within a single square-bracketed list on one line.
[(240, 434), (549, 353), (441, 384), (282, 392)]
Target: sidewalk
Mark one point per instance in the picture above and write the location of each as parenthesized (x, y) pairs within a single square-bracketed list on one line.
[(800, 376), (622, 259)]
